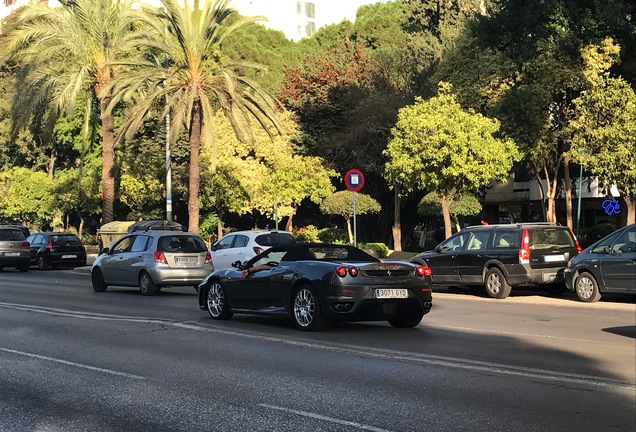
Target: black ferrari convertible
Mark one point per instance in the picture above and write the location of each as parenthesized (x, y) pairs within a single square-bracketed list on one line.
[(316, 284)]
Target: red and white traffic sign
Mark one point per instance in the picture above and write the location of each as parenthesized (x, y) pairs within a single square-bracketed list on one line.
[(354, 180)]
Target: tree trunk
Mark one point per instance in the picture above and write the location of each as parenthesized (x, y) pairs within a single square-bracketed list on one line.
[(630, 203), (289, 227), (108, 160), (219, 226), (397, 226), (446, 202), (80, 231), (50, 166), (193, 187), (349, 231), (568, 193), (550, 195)]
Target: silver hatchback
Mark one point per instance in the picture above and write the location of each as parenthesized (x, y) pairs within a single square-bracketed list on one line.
[(14, 248), (152, 260)]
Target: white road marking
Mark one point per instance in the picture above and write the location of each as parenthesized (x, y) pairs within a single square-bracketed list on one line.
[(325, 418), (70, 363), (443, 361)]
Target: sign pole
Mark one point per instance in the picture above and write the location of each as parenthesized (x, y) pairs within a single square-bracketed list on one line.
[(355, 231)]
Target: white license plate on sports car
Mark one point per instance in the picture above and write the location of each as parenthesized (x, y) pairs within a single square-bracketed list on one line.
[(12, 254), (69, 256), (186, 260), (384, 293), (553, 258)]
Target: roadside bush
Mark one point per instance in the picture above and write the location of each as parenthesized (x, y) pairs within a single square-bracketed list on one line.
[(334, 235), (308, 235), (378, 250)]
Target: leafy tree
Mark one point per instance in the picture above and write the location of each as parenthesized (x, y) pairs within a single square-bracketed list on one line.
[(438, 146), (341, 203), (25, 196), (465, 205), (182, 63), (65, 51)]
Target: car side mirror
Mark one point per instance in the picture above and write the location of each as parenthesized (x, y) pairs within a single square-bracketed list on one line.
[(607, 249), (438, 249), (238, 265), (104, 251)]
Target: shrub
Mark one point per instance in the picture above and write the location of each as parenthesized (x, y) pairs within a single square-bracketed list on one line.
[(334, 235), (308, 235), (379, 250)]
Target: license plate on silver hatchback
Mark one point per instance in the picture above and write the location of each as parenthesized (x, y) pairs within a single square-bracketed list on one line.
[(384, 293), (186, 260)]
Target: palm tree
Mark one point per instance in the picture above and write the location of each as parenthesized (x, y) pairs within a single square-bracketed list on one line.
[(65, 51), (181, 62)]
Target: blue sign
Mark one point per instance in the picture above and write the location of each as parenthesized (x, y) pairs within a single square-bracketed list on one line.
[(354, 180), (611, 206)]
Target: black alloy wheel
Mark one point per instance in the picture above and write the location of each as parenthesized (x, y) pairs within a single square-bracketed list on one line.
[(97, 279)]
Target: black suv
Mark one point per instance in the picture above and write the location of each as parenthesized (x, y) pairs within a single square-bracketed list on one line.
[(503, 256), (56, 249)]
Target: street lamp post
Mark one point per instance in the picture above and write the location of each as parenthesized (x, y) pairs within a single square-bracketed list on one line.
[(168, 167)]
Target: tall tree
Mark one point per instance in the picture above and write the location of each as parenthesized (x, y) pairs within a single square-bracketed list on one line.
[(182, 66), (341, 203), (64, 51), (438, 146)]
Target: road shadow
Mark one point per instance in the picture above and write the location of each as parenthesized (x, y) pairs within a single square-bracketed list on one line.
[(627, 331)]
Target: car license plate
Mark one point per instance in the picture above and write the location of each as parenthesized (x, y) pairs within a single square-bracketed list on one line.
[(12, 254), (69, 256), (553, 258), (186, 260), (391, 293)]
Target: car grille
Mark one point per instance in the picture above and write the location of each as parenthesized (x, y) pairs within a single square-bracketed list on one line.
[(389, 273)]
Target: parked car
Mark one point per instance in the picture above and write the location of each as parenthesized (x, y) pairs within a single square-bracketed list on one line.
[(244, 245), (14, 248), (500, 257), (56, 249), (152, 260), (315, 284), (608, 266)]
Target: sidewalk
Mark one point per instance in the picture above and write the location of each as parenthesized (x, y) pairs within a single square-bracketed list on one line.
[(90, 259)]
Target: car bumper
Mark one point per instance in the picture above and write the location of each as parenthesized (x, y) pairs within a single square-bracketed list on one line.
[(9, 261), (521, 274), (179, 276), (569, 275)]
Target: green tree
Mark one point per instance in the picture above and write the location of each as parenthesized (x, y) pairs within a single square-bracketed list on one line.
[(465, 205), (182, 63), (25, 196), (438, 146), (65, 51), (341, 203)]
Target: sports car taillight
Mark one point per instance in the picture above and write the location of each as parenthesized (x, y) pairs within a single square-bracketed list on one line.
[(353, 271), (208, 257), (421, 270), (341, 271), (160, 257)]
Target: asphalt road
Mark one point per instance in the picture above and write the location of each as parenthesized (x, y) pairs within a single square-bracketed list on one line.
[(75, 360)]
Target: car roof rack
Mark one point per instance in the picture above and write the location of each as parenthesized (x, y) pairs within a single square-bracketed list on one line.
[(515, 225), (155, 225)]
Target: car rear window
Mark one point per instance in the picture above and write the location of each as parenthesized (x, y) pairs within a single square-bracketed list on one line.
[(65, 239), (545, 238), (181, 243), (11, 235), (273, 239)]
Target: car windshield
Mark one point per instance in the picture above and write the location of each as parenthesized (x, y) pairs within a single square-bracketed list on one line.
[(273, 239), (11, 235), (181, 243), (546, 238)]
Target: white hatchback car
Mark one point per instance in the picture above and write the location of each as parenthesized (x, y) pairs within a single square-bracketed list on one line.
[(243, 245)]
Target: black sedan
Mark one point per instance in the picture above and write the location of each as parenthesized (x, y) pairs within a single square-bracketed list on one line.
[(609, 265), (316, 284)]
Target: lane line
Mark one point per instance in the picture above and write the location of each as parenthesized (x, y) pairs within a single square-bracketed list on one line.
[(325, 418), (437, 360), (70, 363)]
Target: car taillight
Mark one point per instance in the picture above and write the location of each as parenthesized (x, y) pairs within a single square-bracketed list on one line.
[(160, 257), (258, 250), (353, 271), (341, 271), (26, 244), (576, 241), (49, 245), (208, 257), (421, 270), (524, 252)]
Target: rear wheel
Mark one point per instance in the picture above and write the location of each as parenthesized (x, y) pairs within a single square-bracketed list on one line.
[(97, 279), (216, 302), (306, 310), (496, 284), (407, 320), (146, 286), (586, 288), (43, 263)]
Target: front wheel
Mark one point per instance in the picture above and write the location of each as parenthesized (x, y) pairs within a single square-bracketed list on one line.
[(306, 310), (146, 286), (97, 279), (216, 302), (496, 284), (586, 288), (408, 320), (43, 263)]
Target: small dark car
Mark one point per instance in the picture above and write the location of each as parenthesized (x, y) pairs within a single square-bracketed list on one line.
[(608, 266), (56, 249), (315, 284), (14, 248), (502, 256)]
